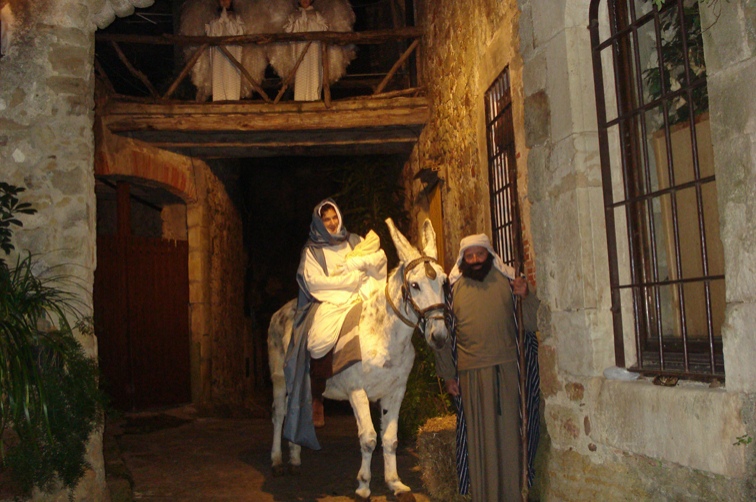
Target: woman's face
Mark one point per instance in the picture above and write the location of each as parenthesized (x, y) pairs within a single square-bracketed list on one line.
[(224, 4), (331, 220), (305, 3)]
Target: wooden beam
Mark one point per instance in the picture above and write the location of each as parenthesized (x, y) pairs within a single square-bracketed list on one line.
[(138, 74), (187, 68), (333, 37), (292, 73), (333, 119), (326, 78), (396, 66), (246, 74), (178, 108)]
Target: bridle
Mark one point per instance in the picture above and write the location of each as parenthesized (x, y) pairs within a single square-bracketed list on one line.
[(423, 315)]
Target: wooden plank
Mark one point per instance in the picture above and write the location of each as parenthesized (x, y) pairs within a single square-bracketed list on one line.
[(185, 71), (246, 151), (255, 85), (333, 37), (292, 73), (138, 74), (188, 108), (396, 66), (332, 119)]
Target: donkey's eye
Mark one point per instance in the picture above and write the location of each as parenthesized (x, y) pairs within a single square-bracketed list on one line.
[(415, 285)]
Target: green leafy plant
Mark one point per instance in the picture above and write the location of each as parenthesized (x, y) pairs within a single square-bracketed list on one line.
[(425, 396), (743, 440), (10, 206), (668, 75), (49, 397)]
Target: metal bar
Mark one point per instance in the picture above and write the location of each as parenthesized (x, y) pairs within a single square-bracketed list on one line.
[(672, 281)]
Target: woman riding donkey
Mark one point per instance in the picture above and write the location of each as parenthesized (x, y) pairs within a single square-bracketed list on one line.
[(337, 270)]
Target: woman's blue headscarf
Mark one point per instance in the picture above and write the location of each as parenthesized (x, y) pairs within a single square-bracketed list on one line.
[(319, 235)]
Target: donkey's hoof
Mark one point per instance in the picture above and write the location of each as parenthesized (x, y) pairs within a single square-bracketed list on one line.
[(405, 497), (278, 471), (295, 470), (362, 494)]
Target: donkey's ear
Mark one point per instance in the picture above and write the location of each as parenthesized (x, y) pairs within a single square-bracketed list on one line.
[(429, 240), (404, 249)]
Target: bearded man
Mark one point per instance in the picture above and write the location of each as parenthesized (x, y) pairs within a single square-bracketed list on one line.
[(485, 374)]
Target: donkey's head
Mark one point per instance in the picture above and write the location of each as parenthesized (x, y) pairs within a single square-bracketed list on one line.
[(423, 281)]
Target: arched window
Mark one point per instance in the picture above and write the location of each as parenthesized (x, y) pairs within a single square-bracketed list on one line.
[(665, 254)]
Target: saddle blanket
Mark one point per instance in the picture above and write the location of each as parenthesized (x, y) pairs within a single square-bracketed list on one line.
[(347, 350)]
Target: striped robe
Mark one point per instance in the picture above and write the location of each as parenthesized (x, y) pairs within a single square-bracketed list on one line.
[(532, 393)]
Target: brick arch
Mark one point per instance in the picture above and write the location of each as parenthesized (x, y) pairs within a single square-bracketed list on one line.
[(174, 172)]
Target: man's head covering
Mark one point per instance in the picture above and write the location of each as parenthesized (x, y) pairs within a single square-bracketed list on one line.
[(319, 235), (482, 241)]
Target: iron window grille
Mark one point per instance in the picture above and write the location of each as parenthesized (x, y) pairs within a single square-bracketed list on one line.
[(666, 262), (502, 171)]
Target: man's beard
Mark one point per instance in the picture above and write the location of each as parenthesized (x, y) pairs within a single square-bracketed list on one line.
[(476, 274)]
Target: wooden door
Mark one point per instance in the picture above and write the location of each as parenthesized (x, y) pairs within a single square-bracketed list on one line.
[(141, 304)]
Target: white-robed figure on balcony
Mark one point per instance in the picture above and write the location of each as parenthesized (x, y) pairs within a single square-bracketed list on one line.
[(214, 74), (312, 15)]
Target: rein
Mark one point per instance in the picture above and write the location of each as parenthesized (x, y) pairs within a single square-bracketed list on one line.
[(423, 315)]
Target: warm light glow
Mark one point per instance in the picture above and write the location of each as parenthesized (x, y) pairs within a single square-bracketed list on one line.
[(6, 28)]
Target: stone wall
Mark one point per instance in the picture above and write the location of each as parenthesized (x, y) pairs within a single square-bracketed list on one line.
[(465, 48), (605, 439), (610, 437), (46, 145), (231, 329)]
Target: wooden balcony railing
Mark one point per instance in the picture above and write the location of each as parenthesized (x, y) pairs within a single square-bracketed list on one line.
[(402, 42)]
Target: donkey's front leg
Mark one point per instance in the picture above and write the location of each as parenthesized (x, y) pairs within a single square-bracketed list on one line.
[(390, 405), (368, 438)]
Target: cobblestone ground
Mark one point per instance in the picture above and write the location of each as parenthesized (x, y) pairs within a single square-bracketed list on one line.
[(178, 455)]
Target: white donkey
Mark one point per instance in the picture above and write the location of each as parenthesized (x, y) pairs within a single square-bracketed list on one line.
[(413, 297)]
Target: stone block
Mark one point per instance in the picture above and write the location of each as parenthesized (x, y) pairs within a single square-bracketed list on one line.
[(68, 85), (547, 360), (537, 119), (739, 346), (581, 349), (565, 425), (691, 425), (66, 61), (729, 38), (548, 20), (534, 74)]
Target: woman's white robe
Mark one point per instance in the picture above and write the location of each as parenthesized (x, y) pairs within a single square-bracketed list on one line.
[(351, 279), (226, 78), (308, 81)]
